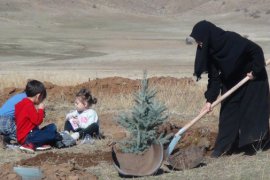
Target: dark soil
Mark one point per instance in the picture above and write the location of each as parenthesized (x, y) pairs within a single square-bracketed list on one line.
[(82, 160)]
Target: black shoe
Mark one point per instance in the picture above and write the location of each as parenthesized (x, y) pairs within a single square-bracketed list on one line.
[(59, 144), (250, 150), (58, 137), (216, 154)]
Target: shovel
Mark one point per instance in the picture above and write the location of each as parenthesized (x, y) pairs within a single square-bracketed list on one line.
[(178, 135)]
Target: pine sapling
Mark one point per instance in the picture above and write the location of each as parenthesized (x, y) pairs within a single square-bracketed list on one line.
[(146, 115)]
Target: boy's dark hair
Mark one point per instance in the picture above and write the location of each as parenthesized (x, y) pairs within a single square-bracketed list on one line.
[(34, 87), (85, 94)]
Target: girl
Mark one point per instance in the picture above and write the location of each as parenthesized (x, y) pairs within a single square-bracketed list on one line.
[(228, 58), (83, 120)]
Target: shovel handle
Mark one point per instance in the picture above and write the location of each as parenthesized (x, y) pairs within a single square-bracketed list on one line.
[(221, 98)]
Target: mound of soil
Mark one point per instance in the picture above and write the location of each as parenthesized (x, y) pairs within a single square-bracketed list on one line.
[(110, 85), (201, 137), (187, 158), (192, 147)]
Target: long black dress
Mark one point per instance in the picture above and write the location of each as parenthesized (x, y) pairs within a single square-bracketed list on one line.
[(227, 58)]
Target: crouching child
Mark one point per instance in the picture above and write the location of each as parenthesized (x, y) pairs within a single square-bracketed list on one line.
[(7, 120), (28, 118)]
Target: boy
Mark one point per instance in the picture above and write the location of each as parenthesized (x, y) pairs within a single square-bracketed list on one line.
[(7, 119), (28, 118)]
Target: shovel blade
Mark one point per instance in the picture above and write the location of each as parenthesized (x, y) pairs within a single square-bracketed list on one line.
[(172, 145)]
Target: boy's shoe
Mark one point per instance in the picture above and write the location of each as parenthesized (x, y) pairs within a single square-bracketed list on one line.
[(44, 147), (75, 136), (28, 148), (2, 142), (87, 140)]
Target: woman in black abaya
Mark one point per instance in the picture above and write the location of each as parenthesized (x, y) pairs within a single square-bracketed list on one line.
[(228, 58)]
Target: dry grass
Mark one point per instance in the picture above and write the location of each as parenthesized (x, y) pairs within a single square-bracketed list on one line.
[(63, 78), (184, 102), (226, 168), (181, 99)]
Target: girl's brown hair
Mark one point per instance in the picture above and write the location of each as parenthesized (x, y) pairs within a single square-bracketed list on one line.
[(85, 95)]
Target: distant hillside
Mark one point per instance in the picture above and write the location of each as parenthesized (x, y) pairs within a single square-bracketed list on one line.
[(152, 7), (146, 7), (173, 7)]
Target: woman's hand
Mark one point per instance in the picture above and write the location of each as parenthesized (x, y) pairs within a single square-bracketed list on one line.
[(207, 107), (250, 75)]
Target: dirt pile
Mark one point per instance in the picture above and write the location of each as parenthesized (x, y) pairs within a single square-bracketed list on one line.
[(193, 146), (187, 158), (110, 85), (202, 137)]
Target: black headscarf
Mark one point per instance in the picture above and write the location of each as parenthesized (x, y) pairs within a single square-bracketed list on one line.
[(224, 47)]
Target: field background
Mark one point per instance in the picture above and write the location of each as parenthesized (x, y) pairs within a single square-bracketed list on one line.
[(69, 42)]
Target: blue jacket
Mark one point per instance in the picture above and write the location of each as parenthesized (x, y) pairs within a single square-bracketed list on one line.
[(8, 108)]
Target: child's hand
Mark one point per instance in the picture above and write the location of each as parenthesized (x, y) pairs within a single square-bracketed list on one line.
[(75, 120), (41, 106)]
